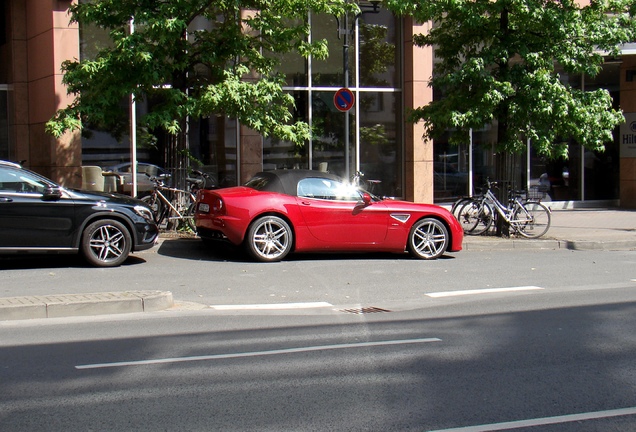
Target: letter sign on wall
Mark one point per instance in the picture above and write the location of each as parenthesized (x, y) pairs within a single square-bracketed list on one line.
[(628, 136)]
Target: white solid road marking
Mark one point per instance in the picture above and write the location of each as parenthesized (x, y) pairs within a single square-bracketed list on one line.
[(257, 353), (481, 291), (544, 421), (272, 306)]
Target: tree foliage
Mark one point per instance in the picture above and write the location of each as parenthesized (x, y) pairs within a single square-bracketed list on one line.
[(500, 59), (195, 58)]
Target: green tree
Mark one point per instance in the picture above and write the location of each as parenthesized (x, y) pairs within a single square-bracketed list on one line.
[(499, 59), (195, 58)]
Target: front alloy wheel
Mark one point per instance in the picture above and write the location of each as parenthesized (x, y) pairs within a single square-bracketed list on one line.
[(269, 239), (106, 243), (428, 239)]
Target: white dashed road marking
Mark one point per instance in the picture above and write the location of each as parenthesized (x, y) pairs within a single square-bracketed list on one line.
[(544, 421), (481, 291), (272, 306), (257, 353)]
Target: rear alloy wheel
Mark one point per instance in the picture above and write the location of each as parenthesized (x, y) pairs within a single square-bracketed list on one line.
[(269, 239), (428, 239), (106, 243)]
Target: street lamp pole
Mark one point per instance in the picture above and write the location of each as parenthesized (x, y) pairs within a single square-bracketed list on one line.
[(345, 68), (133, 132)]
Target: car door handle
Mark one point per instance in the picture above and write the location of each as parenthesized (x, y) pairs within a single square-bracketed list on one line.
[(5, 199), (305, 203)]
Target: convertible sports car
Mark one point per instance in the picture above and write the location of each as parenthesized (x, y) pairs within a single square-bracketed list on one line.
[(277, 212)]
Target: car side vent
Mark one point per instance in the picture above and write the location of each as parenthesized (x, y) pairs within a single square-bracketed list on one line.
[(364, 310)]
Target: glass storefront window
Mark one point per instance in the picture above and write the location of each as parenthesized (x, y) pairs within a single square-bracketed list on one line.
[(374, 144), (328, 134), (584, 175), (378, 50), (212, 141), (293, 66), (100, 146), (380, 152), (4, 122), (329, 72)]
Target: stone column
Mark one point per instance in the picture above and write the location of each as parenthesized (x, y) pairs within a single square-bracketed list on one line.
[(50, 39), (418, 69)]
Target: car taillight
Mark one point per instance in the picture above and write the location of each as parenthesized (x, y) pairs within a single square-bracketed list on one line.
[(217, 206), (210, 204)]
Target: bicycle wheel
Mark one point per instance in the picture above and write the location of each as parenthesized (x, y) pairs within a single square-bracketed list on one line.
[(189, 217), (186, 208), (531, 220), (157, 207), (475, 217), (457, 205)]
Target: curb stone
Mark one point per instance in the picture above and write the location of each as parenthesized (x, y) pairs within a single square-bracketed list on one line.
[(68, 305)]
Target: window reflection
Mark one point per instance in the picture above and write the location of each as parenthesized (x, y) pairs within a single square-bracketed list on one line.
[(329, 72), (375, 135), (378, 49)]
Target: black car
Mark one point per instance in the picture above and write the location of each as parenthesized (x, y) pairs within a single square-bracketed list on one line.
[(39, 216)]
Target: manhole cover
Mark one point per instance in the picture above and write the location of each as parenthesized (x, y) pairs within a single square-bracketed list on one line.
[(365, 310)]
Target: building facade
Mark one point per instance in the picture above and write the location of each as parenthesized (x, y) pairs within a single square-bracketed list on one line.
[(373, 57)]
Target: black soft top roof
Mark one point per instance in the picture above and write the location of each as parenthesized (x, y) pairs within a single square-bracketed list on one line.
[(285, 181)]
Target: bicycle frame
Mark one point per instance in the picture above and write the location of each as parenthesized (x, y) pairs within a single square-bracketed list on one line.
[(507, 212), (171, 204), (503, 211), (165, 200)]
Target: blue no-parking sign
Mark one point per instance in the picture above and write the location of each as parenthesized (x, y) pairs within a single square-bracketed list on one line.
[(344, 99)]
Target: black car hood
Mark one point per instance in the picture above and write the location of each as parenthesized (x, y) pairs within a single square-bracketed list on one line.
[(114, 198)]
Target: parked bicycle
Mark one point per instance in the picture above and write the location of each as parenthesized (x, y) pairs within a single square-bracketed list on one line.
[(462, 201), (528, 218), (173, 208)]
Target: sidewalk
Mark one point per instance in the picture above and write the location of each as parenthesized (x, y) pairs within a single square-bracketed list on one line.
[(575, 229)]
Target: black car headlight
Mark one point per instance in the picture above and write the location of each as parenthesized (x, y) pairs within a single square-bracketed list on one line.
[(144, 212)]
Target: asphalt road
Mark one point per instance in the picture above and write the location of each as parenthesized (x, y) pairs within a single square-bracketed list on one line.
[(195, 275), (526, 340)]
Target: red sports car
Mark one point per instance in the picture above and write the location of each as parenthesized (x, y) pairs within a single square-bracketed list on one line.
[(277, 212)]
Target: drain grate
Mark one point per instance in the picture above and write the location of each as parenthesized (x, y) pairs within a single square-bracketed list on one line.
[(364, 310)]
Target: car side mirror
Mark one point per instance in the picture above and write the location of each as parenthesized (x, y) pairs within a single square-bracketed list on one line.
[(52, 193), (366, 199)]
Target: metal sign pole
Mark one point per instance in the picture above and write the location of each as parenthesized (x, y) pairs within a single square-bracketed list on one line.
[(133, 133)]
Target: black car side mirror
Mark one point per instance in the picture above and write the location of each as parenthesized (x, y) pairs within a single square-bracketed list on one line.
[(52, 193)]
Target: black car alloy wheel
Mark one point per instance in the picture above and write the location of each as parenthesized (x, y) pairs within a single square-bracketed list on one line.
[(106, 243)]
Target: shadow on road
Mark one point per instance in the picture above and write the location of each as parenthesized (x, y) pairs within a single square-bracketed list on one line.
[(195, 249), (55, 261)]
